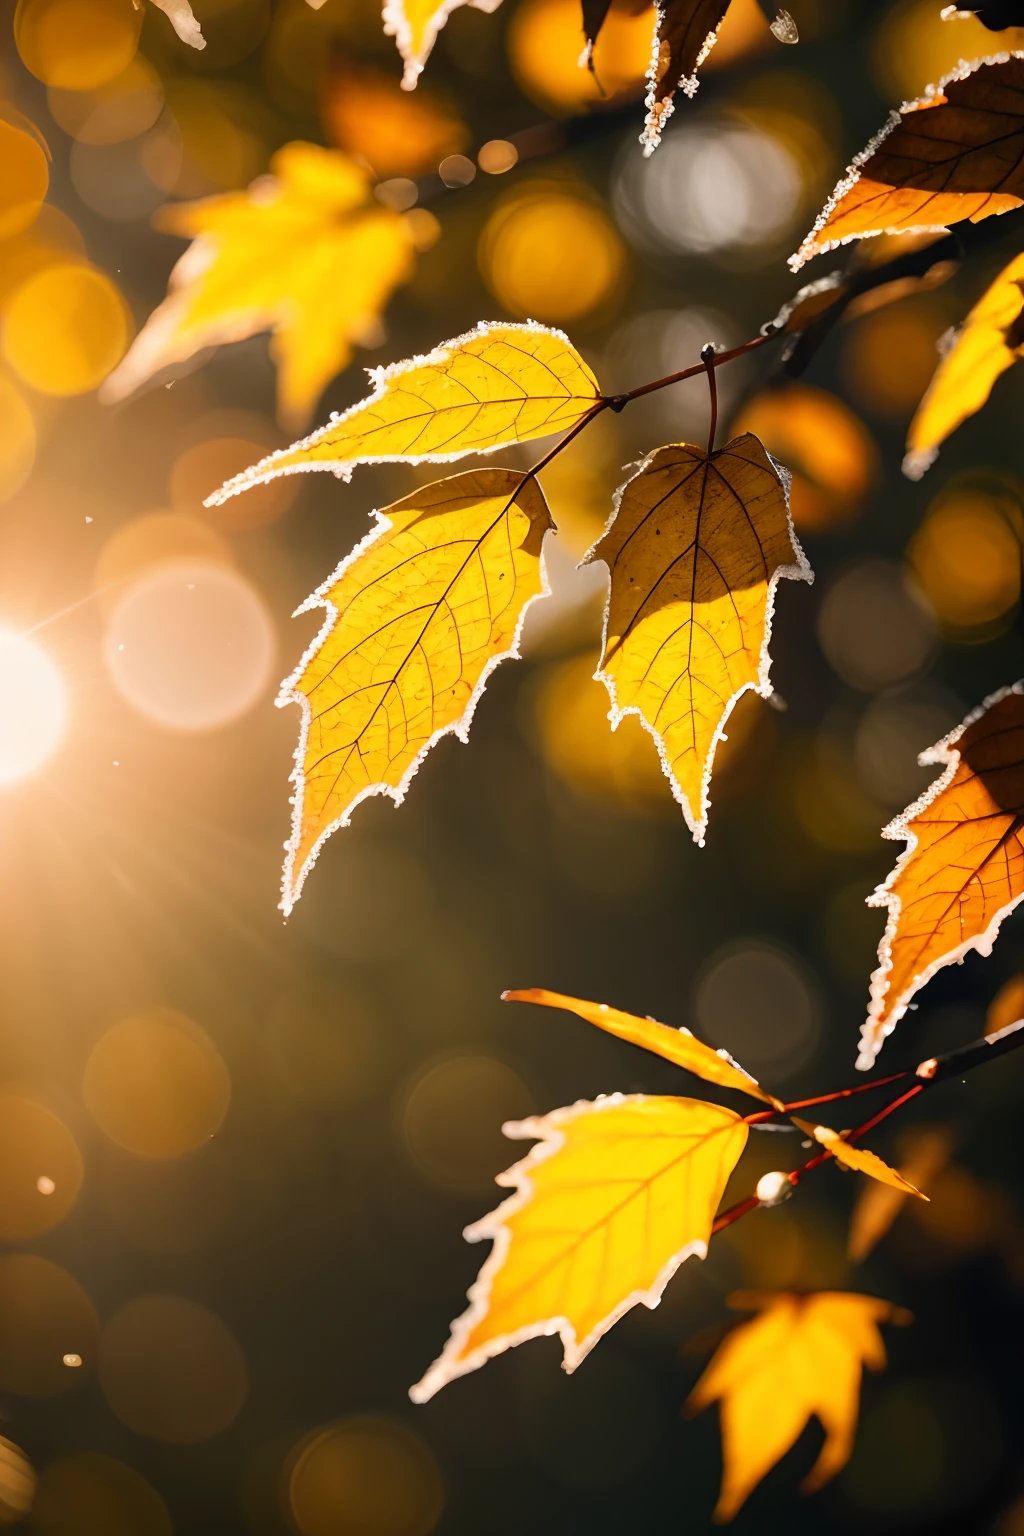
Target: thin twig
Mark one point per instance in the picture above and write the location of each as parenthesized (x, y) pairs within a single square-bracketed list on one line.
[(707, 357)]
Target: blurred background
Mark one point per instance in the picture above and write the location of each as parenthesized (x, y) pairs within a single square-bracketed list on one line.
[(236, 1155)]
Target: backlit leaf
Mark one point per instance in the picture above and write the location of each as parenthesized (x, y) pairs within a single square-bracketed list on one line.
[(957, 153), (962, 871), (305, 253), (686, 33), (695, 552), (992, 339), (927, 1151), (414, 24), (419, 615), (857, 1157), (802, 1356), (179, 13), (675, 1045), (615, 1197), (497, 385)]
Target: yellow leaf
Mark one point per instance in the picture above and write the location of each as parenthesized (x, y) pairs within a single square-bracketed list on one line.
[(955, 154), (858, 1157), (928, 1150), (414, 24), (306, 253), (990, 342), (617, 1194), (804, 1355), (962, 870), (675, 1045), (695, 552), (419, 615), (497, 385)]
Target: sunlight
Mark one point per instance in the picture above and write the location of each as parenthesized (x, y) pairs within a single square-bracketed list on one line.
[(33, 707)]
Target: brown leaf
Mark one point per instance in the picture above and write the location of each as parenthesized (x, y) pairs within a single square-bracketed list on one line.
[(686, 33)]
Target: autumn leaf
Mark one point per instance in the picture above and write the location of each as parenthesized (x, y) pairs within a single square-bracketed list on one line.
[(858, 1158), (962, 870), (991, 340), (414, 24), (615, 1197), (696, 550), (179, 13), (927, 1151), (497, 385), (687, 30), (802, 1356), (305, 253), (398, 134), (1006, 1008), (676, 1045), (419, 615), (957, 153)]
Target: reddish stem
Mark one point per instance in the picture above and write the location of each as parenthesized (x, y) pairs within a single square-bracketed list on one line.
[(707, 357)]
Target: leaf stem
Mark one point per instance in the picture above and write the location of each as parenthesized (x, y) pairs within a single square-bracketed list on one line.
[(707, 357)]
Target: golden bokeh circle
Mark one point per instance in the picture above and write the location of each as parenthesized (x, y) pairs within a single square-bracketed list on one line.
[(17, 440), (25, 179), (154, 539), (365, 1477), (17, 1483), (77, 45), (40, 1169), (170, 1369), (545, 38), (65, 328), (552, 255), (46, 1319), (156, 1084), (452, 1116), (94, 1495), (966, 558)]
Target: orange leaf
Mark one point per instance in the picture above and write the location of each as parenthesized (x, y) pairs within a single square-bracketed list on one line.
[(614, 1198), (858, 1157), (957, 153), (928, 1151), (696, 550), (802, 1356), (687, 32), (962, 871), (675, 1045), (990, 341)]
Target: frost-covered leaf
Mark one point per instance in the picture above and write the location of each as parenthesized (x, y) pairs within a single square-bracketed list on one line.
[(802, 1356), (991, 340), (696, 549), (957, 153), (858, 1158), (962, 870), (497, 385), (686, 33), (414, 24), (419, 615), (305, 253), (615, 1197)]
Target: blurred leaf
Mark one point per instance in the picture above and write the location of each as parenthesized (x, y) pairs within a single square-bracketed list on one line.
[(957, 153), (496, 385), (419, 615), (990, 341), (182, 20), (1007, 1007), (695, 553), (414, 24), (928, 1150), (857, 1157), (675, 1045), (802, 1356), (687, 32), (305, 253), (367, 114), (962, 871), (616, 1196)]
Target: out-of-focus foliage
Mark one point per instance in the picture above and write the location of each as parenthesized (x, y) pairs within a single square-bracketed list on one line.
[(307, 255), (925, 1151), (695, 553), (990, 341), (953, 155), (419, 615), (802, 1356), (828, 449), (962, 871)]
